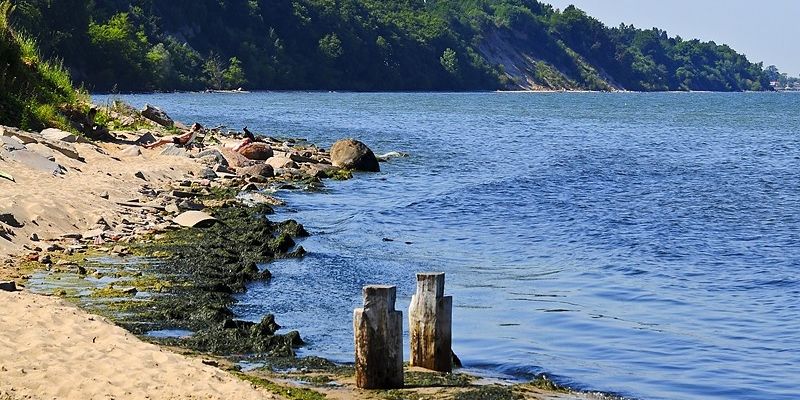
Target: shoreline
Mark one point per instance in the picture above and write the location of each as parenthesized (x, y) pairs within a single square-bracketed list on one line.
[(167, 171)]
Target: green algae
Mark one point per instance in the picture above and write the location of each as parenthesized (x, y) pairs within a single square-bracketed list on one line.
[(287, 392), (543, 382), (435, 379), (489, 392)]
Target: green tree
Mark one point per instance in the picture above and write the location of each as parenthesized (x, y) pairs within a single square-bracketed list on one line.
[(234, 77), (213, 72), (449, 61), (331, 46)]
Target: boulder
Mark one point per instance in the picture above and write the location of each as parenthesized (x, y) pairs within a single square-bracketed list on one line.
[(235, 159), (264, 170), (352, 154), (8, 286), (146, 138), (215, 154), (156, 115), (282, 163), (24, 137), (256, 151)]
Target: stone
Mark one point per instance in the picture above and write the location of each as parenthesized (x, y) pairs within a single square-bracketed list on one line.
[(282, 163), (430, 318), (38, 162), (8, 286), (256, 151), (221, 168), (250, 187), (156, 115), (216, 154), (352, 154), (175, 151), (130, 151), (378, 330), (34, 237), (104, 195), (194, 218), (147, 138), (10, 220), (140, 175), (264, 170), (24, 137), (11, 143), (172, 208), (208, 173), (93, 233), (235, 159), (63, 136), (182, 195)]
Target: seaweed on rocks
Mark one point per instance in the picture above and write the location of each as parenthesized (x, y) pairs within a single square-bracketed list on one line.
[(205, 268)]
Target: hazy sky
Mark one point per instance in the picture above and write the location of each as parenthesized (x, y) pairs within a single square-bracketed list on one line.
[(764, 30)]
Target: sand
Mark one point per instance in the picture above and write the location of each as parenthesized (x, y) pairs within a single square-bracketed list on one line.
[(50, 349)]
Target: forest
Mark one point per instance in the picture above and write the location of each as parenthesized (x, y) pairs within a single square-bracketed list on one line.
[(367, 45)]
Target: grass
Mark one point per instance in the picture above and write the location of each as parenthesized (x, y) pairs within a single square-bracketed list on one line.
[(34, 93)]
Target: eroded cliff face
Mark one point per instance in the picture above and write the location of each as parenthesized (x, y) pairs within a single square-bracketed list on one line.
[(530, 63)]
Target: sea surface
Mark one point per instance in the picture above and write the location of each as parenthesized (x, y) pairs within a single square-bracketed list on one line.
[(646, 245)]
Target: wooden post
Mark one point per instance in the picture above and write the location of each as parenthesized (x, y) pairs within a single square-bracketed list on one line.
[(378, 329), (430, 318)]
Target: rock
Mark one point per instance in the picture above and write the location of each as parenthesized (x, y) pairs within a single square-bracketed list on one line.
[(194, 218), (130, 151), (63, 136), (24, 137), (36, 161), (10, 220), (104, 195), (147, 138), (261, 198), (190, 205), (250, 187), (208, 173), (140, 175), (182, 195), (256, 151), (220, 159), (68, 150), (352, 154), (156, 115), (282, 162), (264, 170), (175, 151), (172, 208), (235, 159), (8, 286), (46, 259), (93, 234), (34, 237), (11, 143)]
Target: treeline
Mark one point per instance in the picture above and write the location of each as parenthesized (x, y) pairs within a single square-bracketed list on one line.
[(365, 45)]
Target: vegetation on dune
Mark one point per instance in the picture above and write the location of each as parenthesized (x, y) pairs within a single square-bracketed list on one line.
[(367, 45), (34, 93)]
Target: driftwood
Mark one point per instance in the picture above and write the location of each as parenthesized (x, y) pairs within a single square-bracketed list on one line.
[(378, 331), (430, 324)]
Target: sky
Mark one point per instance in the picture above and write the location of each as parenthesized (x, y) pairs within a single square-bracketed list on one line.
[(763, 30)]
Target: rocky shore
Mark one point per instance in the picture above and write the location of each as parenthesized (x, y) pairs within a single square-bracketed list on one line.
[(160, 240)]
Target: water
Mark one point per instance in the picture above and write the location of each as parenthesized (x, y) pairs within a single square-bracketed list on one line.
[(640, 244)]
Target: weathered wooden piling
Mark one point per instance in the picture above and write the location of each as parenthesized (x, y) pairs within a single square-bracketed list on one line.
[(430, 318), (378, 331)]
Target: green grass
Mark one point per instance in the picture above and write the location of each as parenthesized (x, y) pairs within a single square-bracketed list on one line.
[(34, 93)]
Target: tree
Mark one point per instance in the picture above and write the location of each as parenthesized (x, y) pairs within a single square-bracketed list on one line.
[(449, 61), (213, 72), (234, 75)]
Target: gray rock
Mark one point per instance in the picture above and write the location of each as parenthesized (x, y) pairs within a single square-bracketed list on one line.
[(264, 170), (352, 154), (63, 136), (213, 153), (250, 187), (175, 151), (147, 138), (36, 161), (25, 137), (104, 195), (208, 173), (8, 286), (11, 143), (194, 218), (182, 195), (156, 115), (130, 151)]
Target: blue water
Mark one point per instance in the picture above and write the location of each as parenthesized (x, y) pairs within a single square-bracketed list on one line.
[(640, 244)]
